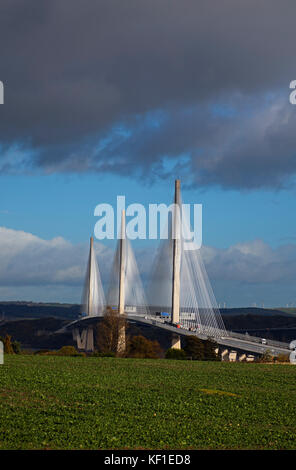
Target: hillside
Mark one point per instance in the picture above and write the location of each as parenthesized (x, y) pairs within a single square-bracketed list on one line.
[(22, 309), (16, 310), (34, 325)]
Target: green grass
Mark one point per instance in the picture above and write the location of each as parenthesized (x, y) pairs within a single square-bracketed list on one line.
[(106, 403)]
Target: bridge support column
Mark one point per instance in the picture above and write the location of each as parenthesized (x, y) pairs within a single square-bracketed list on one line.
[(121, 345), (224, 355), (85, 340), (90, 339), (250, 358), (232, 356), (79, 338), (176, 342), (242, 357), (90, 279)]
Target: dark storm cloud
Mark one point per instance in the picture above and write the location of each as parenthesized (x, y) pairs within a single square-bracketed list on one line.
[(75, 71)]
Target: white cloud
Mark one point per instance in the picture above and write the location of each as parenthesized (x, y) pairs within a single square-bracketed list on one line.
[(252, 262), (26, 259), (36, 269)]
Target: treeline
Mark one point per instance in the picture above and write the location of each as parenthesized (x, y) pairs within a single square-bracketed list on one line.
[(108, 338), (142, 348), (195, 349)]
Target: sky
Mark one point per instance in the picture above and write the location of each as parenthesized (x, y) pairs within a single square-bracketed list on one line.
[(106, 98)]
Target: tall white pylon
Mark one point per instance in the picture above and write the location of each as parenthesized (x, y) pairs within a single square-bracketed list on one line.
[(176, 341), (122, 266), (179, 281), (93, 298), (126, 291), (176, 256)]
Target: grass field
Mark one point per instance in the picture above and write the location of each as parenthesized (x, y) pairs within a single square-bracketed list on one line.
[(106, 403)]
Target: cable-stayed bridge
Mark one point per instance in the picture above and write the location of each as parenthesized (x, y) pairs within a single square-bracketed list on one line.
[(179, 281), (231, 343)]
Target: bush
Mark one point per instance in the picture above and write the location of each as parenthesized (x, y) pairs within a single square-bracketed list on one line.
[(173, 353), (283, 358), (200, 350), (266, 357), (103, 354), (64, 351), (141, 347), (69, 351)]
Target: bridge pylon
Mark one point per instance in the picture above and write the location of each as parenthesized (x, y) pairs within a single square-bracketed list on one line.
[(93, 300), (179, 281), (176, 236)]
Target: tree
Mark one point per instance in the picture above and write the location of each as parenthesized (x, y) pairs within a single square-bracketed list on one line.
[(200, 350), (209, 350), (8, 348), (110, 331), (194, 348), (266, 356), (141, 347)]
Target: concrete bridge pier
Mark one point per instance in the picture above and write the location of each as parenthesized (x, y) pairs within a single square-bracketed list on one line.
[(242, 357), (250, 358), (176, 341), (85, 339), (121, 345), (231, 355), (224, 355)]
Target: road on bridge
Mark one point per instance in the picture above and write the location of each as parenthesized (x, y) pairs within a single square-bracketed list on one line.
[(223, 338)]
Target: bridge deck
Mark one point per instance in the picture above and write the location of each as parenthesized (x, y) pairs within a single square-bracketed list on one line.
[(224, 338)]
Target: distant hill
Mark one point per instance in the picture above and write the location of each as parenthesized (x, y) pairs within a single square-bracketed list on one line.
[(22, 309), (37, 333), (256, 311), (288, 310), (34, 324), (16, 310), (277, 327)]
